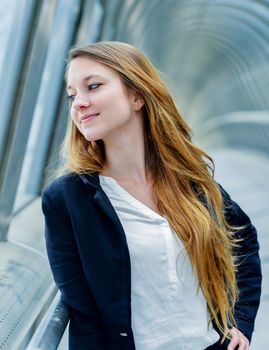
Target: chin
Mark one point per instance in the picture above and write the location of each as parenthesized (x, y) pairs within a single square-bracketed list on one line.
[(88, 135), (91, 137)]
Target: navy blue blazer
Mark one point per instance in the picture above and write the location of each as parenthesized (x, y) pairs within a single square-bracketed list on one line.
[(90, 262)]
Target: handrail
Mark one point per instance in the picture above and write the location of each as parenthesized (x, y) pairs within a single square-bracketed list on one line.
[(51, 329)]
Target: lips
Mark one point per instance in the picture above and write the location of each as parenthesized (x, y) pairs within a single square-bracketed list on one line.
[(87, 117)]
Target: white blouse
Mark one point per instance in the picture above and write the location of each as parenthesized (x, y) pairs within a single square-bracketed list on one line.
[(167, 311)]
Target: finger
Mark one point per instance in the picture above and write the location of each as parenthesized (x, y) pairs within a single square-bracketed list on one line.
[(244, 344), (233, 343), (243, 341)]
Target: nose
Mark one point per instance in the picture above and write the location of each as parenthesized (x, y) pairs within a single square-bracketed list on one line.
[(80, 104)]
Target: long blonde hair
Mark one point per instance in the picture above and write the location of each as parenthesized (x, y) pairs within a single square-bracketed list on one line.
[(183, 184)]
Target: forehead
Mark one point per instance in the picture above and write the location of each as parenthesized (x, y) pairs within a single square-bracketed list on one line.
[(83, 67)]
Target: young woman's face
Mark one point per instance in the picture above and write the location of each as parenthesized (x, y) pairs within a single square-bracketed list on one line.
[(101, 105)]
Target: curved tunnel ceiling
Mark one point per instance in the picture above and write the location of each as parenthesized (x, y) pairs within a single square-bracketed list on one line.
[(215, 53)]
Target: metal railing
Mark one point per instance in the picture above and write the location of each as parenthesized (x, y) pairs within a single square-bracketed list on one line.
[(52, 327)]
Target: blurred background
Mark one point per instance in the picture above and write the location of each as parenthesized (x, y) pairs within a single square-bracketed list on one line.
[(214, 55)]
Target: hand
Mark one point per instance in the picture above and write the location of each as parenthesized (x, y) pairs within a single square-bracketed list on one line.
[(239, 339)]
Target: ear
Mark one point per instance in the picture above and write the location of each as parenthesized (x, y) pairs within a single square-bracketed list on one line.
[(137, 101)]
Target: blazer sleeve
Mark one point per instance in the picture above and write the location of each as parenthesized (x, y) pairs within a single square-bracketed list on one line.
[(248, 274), (85, 328)]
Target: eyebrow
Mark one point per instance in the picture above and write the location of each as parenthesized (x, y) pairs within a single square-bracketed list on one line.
[(86, 79)]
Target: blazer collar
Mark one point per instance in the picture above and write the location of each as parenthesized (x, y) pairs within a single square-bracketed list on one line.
[(91, 179)]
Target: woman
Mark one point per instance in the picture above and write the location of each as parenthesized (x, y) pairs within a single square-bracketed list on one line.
[(148, 251)]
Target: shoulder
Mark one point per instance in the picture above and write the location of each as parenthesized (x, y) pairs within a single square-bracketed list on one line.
[(60, 183), (234, 214), (56, 192)]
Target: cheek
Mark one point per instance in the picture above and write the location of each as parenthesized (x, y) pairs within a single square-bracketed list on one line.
[(119, 106), (113, 99), (73, 115)]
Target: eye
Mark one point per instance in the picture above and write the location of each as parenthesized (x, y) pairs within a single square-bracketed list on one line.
[(70, 98), (93, 86)]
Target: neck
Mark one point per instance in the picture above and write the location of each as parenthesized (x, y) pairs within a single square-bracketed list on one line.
[(125, 157)]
